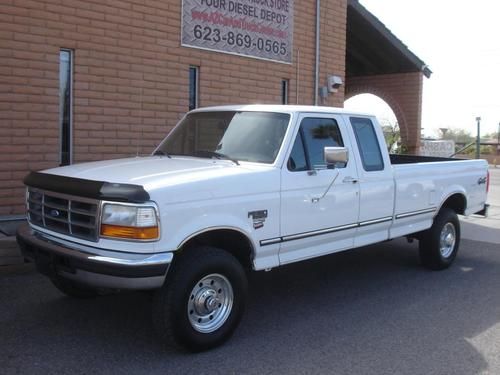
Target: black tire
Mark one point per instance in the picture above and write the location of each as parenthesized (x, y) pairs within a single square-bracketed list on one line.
[(171, 317), (435, 252), (73, 289)]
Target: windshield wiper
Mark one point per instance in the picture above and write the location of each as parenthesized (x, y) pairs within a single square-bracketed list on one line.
[(161, 153), (214, 154)]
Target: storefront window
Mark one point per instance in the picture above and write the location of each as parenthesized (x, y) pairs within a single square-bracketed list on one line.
[(193, 87), (284, 91), (65, 104)]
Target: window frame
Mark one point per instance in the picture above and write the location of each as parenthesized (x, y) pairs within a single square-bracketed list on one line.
[(300, 133), (69, 161), (196, 83), (361, 154), (176, 129), (285, 93)]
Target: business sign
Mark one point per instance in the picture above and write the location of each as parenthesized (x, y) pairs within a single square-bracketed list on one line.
[(255, 28), (442, 148)]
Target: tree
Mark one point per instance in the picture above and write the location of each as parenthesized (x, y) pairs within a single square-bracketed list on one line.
[(459, 136), (463, 137), (493, 136), (392, 136)]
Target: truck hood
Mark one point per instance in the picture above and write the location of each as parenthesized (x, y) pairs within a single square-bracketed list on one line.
[(155, 172)]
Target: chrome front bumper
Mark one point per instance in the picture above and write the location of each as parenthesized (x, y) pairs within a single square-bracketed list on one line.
[(92, 266)]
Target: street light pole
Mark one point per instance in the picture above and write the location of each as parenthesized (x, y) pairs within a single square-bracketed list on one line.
[(478, 139)]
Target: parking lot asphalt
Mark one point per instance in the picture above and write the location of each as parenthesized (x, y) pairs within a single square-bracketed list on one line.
[(369, 311)]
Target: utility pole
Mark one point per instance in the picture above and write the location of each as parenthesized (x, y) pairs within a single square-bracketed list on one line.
[(478, 139)]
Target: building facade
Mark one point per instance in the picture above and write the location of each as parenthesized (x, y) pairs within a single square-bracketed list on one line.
[(91, 80)]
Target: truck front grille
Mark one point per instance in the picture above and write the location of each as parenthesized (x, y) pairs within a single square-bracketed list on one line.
[(74, 216)]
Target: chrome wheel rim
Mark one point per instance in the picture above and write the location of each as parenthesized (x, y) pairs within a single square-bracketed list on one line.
[(210, 303), (447, 240)]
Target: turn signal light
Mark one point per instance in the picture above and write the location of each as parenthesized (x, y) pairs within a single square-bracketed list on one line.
[(136, 233)]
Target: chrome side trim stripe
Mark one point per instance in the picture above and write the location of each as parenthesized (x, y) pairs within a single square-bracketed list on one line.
[(270, 241), (415, 213), (318, 232), (376, 221), (299, 236)]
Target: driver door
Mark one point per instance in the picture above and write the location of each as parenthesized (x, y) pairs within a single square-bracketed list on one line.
[(319, 205)]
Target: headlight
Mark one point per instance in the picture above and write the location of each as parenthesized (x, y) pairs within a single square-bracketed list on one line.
[(133, 222)]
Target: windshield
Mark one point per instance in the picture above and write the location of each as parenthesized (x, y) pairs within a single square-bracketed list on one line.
[(244, 136)]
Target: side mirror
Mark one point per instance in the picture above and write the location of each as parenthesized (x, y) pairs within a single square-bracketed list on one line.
[(334, 155)]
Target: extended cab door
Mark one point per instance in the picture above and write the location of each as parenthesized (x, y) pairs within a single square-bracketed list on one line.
[(376, 181), (319, 206)]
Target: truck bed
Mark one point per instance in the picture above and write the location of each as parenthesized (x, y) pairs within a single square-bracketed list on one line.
[(423, 182), (411, 159)]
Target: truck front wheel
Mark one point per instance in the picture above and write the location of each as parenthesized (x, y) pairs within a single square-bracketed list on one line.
[(202, 302), (438, 246)]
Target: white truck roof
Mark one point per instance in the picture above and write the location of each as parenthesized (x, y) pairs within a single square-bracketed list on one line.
[(282, 108)]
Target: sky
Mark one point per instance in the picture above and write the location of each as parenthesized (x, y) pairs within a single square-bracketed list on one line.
[(460, 41)]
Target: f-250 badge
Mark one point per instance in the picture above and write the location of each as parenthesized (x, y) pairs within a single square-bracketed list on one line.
[(258, 217)]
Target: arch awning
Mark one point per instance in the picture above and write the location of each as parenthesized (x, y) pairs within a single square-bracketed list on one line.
[(372, 49)]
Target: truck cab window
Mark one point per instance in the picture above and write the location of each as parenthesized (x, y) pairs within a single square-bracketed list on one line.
[(320, 133), (369, 149), (241, 135)]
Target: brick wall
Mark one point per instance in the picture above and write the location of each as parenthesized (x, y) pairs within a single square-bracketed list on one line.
[(130, 78), (403, 93)]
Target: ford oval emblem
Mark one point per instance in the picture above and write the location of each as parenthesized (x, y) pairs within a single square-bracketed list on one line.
[(55, 213)]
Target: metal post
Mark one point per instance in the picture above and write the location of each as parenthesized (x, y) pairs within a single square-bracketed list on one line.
[(316, 65), (478, 138), (498, 138)]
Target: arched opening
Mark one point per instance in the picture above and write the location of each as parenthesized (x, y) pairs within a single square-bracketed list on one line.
[(378, 63), (391, 123), (403, 94)]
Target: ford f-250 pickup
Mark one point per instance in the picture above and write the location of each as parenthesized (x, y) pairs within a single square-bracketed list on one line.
[(233, 189)]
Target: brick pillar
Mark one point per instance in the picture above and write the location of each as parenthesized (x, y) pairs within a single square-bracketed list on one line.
[(403, 93)]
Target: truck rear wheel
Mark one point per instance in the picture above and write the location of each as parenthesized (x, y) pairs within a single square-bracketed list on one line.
[(203, 300), (438, 245)]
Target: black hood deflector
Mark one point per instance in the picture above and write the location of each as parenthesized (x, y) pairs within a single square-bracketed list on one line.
[(80, 187)]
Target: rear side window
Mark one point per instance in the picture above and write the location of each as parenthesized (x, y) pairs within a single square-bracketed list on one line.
[(371, 157)]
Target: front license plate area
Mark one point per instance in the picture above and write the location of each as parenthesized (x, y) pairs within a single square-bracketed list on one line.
[(45, 264), (49, 264)]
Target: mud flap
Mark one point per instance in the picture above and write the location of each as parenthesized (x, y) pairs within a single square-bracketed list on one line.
[(484, 211)]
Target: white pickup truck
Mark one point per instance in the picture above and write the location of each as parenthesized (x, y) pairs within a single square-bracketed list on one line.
[(234, 189)]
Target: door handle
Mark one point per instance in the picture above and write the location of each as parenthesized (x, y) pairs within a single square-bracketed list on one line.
[(350, 180)]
